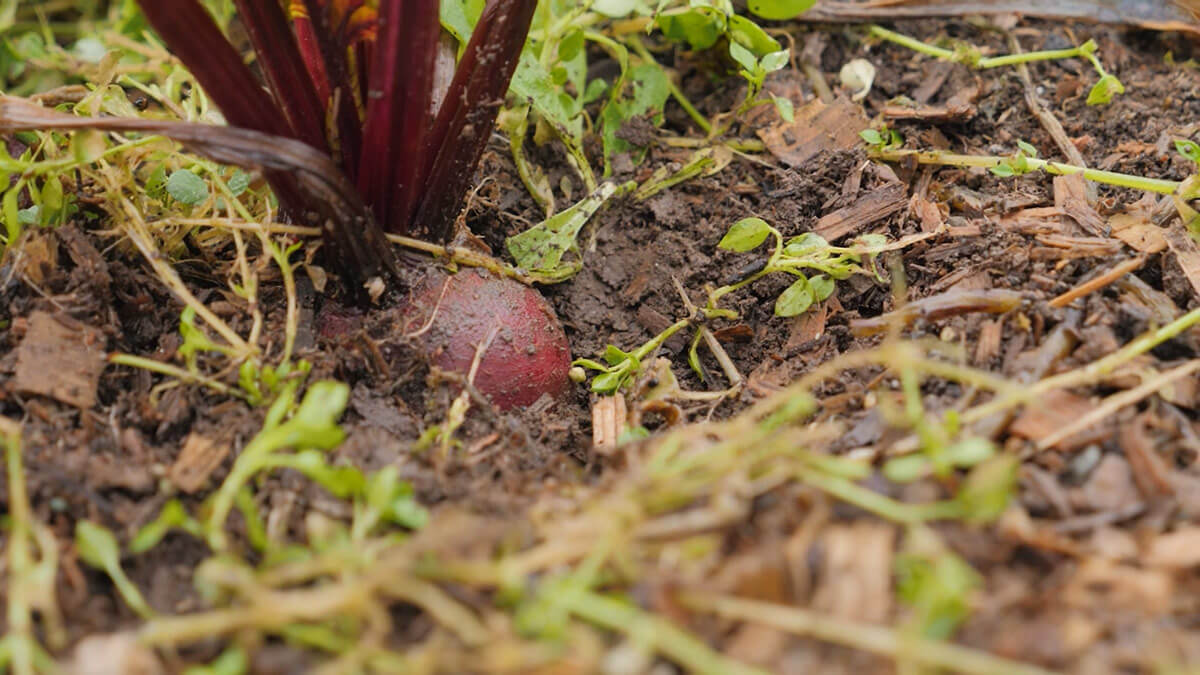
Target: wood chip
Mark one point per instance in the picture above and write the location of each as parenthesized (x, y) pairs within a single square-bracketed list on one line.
[(815, 127), (1136, 228), (198, 459), (870, 208), (927, 213), (1177, 550), (856, 572), (1070, 195), (1050, 413), (988, 346), (954, 110), (60, 358), (38, 256), (1187, 253), (608, 423), (1150, 470)]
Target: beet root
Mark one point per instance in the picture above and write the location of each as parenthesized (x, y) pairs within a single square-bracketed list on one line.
[(525, 352)]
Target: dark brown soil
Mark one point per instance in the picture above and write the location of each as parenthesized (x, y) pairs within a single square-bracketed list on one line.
[(105, 461)]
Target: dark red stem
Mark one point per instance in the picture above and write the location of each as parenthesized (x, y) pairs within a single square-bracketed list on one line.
[(283, 64), (398, 109), (465, 120)]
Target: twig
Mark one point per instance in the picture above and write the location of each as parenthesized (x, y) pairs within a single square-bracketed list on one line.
[(1096, 283), (1117, 401), (865, 637)]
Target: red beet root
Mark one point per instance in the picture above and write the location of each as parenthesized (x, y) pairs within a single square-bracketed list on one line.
[(528, 353)]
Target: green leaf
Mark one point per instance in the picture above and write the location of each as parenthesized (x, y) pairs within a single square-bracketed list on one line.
[(613, 355), (1104, 90), (988, 488), (1188, 149), (779, 10), (89, 50), (871, 137), (541, 248), (533, 82), (651, 89), (12, 214), (607, 383), (744, 57), (795, 299), (751, 36), (873, 240), (907, 468), (700, 27), (745, 235), (805, 244), (96, 546), (1027, 149), (1004, 170), (459, 17), (784, 107), (571, 45), (238, 182), (30, 216), (970, 451), (614, 9), (187, 187), (775, 60), (88, 145), (595, 89), (822, 287), (53, 199)]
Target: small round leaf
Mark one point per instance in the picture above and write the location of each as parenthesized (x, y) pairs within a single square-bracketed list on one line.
[(187, 187), (795, 299), (745, 235), (779, 10)]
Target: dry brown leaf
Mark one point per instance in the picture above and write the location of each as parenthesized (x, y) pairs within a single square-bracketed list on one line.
[(815, 127), (197, 460), (608, 422), (1052, 412), (60, 358)]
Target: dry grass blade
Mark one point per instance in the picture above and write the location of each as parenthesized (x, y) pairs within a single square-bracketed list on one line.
[(336, 207)]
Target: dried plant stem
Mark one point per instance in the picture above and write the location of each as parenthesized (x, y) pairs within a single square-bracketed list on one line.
[(181, 374), (866, 637), (135, 229), (654, 632), (939, 158), (1086, 375), (1114, 403), (454, 254)]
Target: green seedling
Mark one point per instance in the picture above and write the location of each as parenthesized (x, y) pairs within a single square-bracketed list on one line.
[(702, 24), (703, 162), (798, 256), (935, 584), (941, 452), (312, 426), (883, 138), (29, 572), (1101, 93), (98, 548), (1018, 164), (232, 661), (172, 517)]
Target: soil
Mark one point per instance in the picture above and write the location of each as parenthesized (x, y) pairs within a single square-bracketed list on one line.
[(99, 444)]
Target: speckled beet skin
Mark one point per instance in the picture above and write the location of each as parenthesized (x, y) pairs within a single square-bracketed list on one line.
[(529, 355)]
